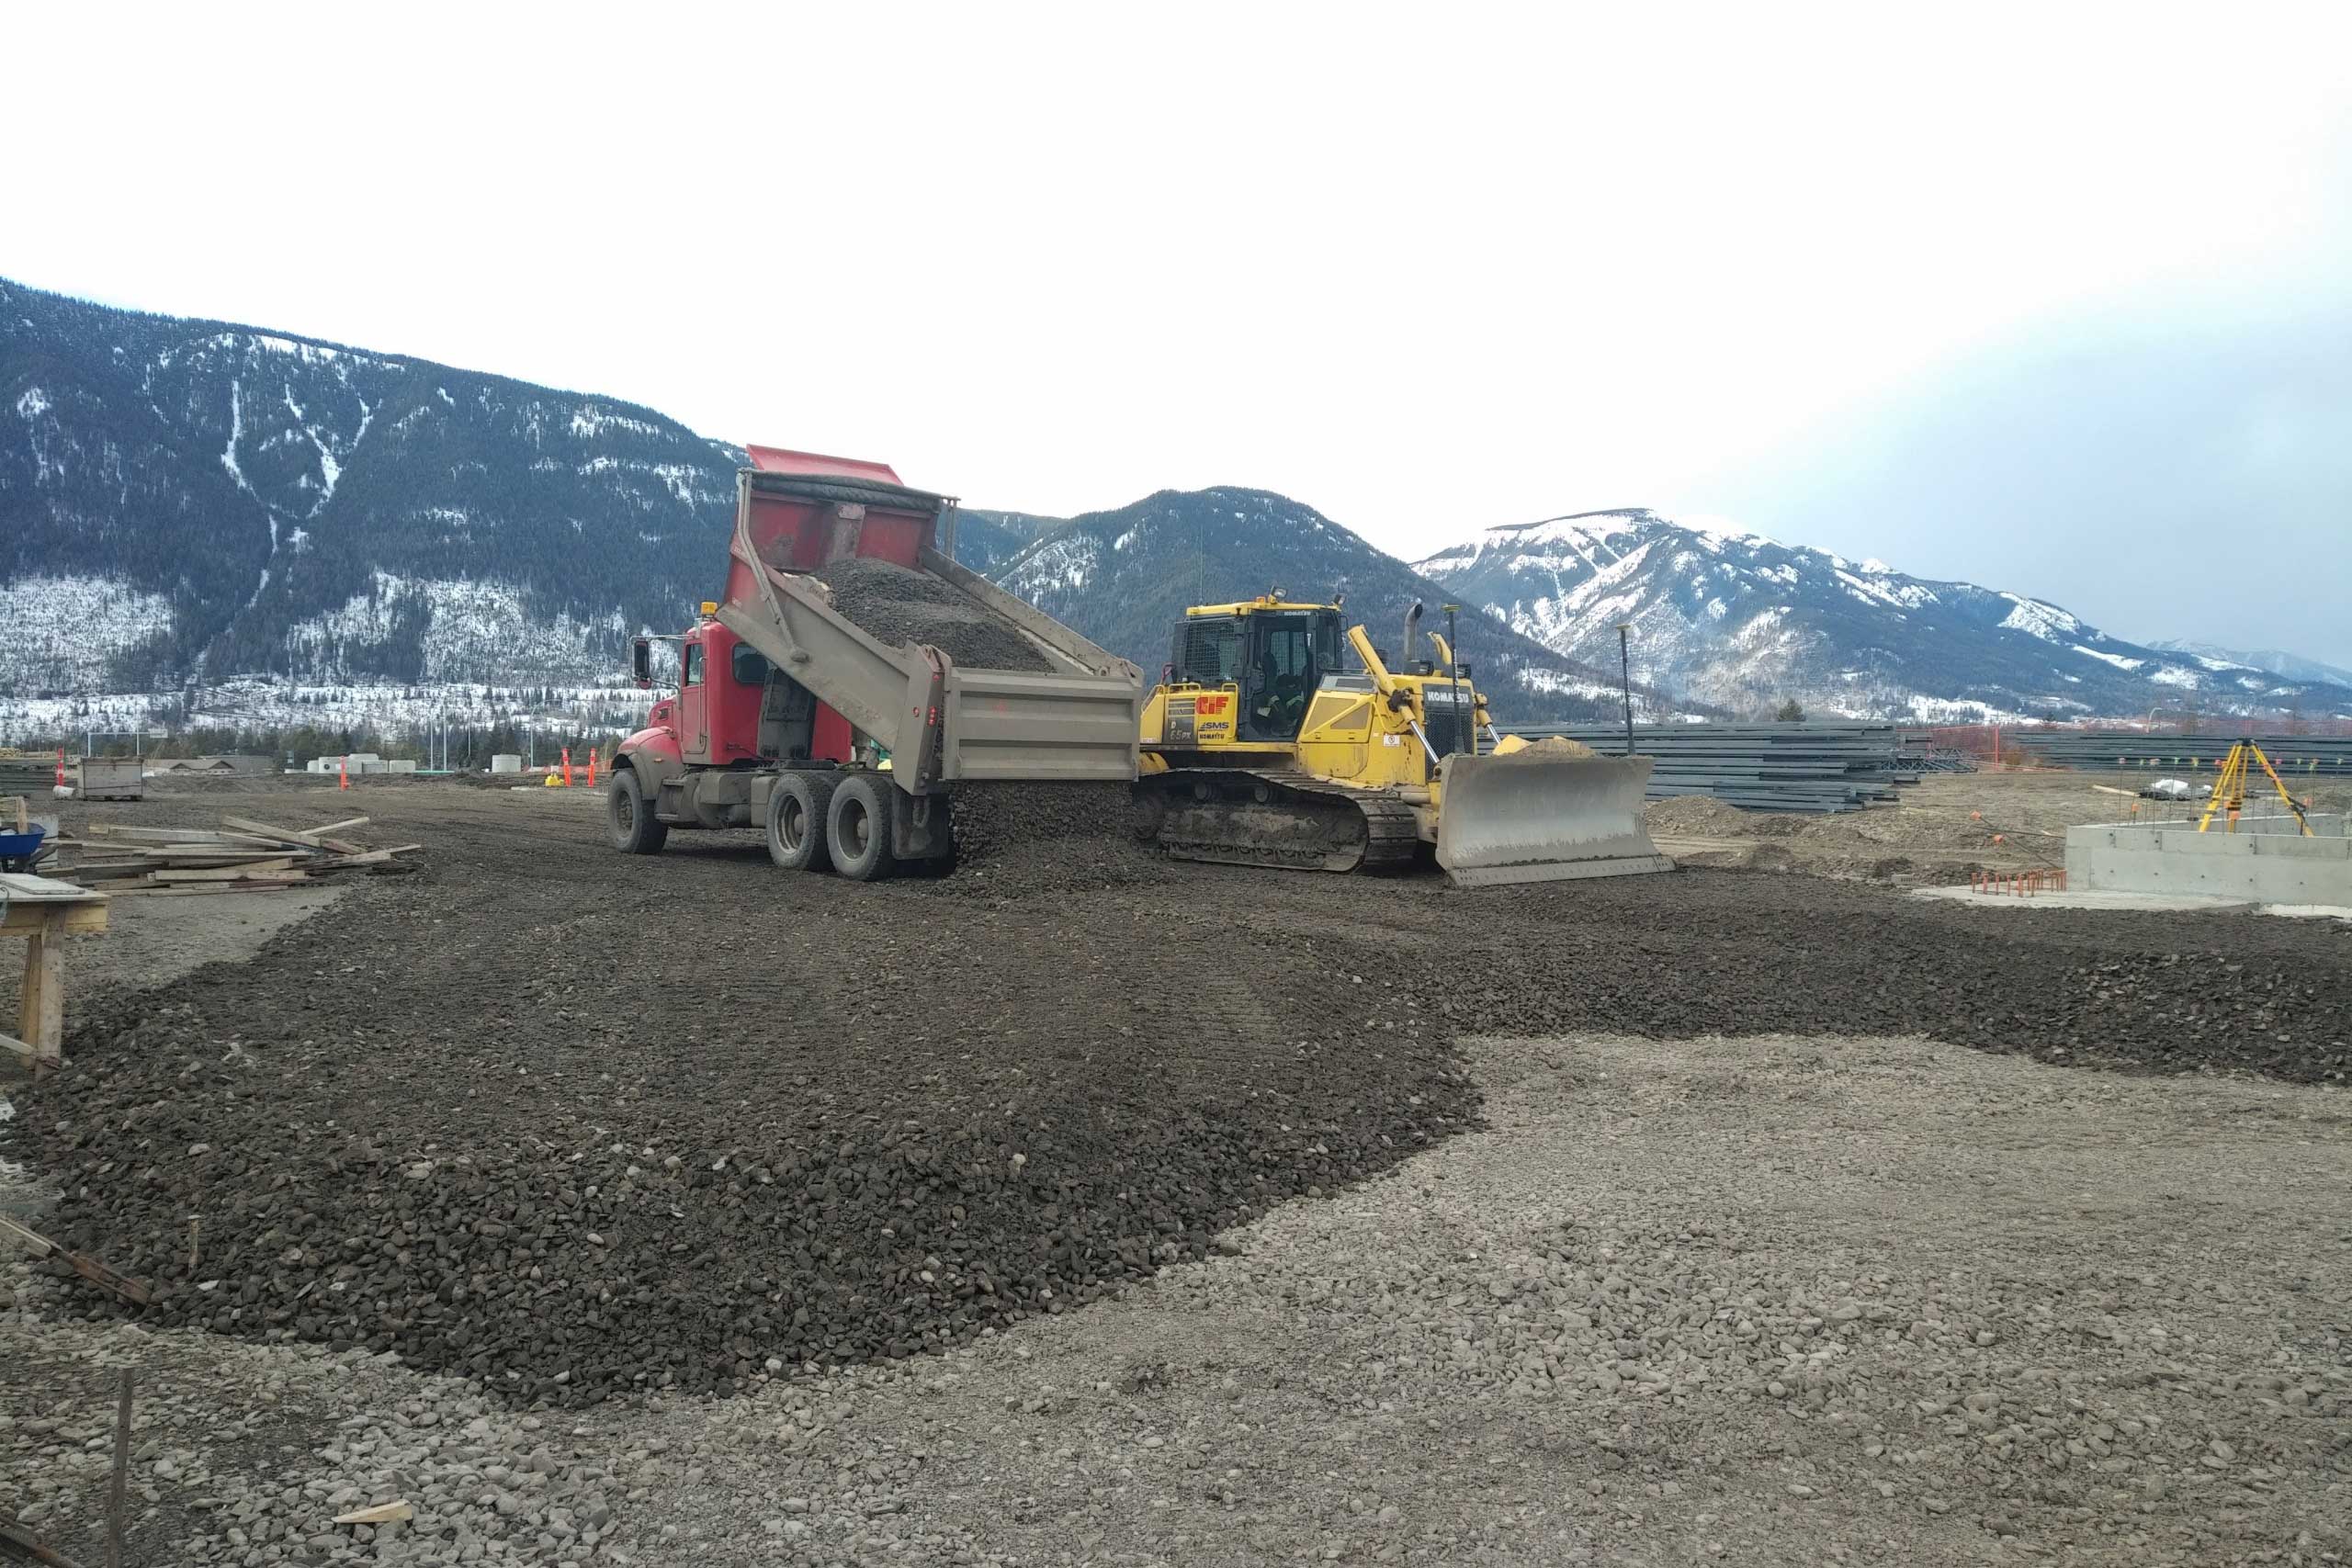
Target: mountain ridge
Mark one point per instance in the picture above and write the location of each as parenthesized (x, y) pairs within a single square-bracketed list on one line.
[(1124, 577), (191, 506), (1729, 616), (253, 501)]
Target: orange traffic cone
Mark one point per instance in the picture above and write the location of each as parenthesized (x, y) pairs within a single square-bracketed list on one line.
[(61, 767), (343, 773), (567, 767), (592, 767)]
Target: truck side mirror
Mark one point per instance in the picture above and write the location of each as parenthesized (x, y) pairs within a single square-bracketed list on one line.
[(641, 654)]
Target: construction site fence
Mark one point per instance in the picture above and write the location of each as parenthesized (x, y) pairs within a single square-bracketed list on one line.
[(2293, 755)]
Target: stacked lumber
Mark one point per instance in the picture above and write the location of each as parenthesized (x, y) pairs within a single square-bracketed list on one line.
[(238, 856)]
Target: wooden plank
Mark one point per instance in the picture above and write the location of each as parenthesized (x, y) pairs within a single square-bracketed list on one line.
[(247, 825), (165, 835), (89, 1268), (40, 1004), (334, 827), (31, 889), (241, 879), (23, 918), (181, 861), (264, 869), (19, 1544), (145, 891), (15, 1047)]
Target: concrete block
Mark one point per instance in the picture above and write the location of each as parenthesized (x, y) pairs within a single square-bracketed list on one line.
[(2267, 860), (506, 762), (401, 765)]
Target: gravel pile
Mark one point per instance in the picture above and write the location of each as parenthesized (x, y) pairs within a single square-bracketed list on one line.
[(896, 604), (1019, 840), (472, 1120), (884, 1132)]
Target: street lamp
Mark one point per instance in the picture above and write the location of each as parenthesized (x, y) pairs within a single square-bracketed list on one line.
[(1625, 679)]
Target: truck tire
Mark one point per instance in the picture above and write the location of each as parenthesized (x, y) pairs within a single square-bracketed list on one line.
[(636, 830), (857, 829), (796, 829)]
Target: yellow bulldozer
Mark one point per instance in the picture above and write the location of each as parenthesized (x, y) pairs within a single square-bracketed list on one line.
[(1260, 748)]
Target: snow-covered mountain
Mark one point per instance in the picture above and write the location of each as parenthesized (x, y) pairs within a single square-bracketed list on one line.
[(1728, 616), (2288, 666), (202, 522), (1124, 577), (186, 501)]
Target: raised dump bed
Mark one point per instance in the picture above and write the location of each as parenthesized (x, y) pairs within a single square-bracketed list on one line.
[(1049, 706), (852, 673)]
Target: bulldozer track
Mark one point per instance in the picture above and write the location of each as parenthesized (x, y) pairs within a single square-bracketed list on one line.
[(1305, 823)]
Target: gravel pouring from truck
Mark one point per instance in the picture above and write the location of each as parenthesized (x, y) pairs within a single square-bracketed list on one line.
[(791, 715)]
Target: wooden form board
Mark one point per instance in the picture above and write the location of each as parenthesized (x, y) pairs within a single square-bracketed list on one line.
[(43, 911)]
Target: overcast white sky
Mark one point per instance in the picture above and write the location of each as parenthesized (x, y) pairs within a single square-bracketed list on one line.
[(2013, 294)]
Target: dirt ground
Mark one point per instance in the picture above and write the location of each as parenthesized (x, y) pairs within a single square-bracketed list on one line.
[(590, 1200), (1941, 831), (152, 940)]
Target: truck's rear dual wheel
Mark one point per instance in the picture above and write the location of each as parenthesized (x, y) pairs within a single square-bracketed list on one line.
[(857, 829), (797, 811)]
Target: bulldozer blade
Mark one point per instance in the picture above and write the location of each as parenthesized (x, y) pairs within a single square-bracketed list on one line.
[(1537, 816)]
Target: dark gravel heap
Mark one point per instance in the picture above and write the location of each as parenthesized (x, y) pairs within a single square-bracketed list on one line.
[(1016, 840), (895, 604), (507, 1121)]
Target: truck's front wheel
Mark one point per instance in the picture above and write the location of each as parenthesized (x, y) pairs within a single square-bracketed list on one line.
[(636, 830), (797, 811), (857, 828)]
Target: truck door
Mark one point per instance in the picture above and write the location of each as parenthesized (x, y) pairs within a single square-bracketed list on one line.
[(694, 706)]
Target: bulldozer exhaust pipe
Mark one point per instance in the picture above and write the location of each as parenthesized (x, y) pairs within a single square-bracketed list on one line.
[(1404, 648)]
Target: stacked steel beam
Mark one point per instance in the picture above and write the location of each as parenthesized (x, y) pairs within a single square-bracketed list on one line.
[(1828, 766), (2311, 756)]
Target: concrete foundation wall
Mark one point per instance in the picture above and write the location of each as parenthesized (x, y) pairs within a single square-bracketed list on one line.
[(2263, 860)]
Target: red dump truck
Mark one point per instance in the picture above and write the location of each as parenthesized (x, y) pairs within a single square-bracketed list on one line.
[(841, 723)]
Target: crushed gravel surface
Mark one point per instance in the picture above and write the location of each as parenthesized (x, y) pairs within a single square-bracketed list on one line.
[(558, 1125), (1781, 1301), (1789, 1301), (896, 604), (579, 1125)]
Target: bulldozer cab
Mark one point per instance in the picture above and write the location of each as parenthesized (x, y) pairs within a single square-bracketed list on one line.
[(1274, 654)]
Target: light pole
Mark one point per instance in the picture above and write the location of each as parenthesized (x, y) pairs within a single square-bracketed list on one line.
[(1625, 679)]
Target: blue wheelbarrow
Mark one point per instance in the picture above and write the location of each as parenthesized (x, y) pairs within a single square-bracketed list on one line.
[(17, 850)]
